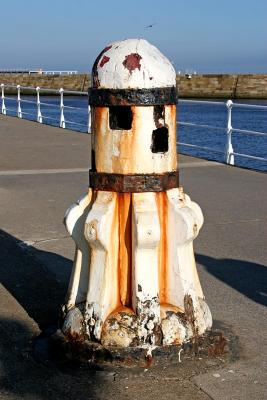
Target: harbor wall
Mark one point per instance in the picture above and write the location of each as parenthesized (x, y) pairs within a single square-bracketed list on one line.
[(236, 86), (243, 86), (78, 82)]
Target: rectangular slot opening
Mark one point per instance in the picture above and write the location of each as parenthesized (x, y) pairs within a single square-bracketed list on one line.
[(160, 140), (120, 117)]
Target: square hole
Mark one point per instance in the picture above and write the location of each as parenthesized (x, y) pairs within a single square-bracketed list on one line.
[(120, 117), (160, 140)]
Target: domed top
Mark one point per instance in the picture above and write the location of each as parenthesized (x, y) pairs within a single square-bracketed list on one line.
[(132, 64)]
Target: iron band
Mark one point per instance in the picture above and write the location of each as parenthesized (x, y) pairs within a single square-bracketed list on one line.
[(132, 97), (135, 183)]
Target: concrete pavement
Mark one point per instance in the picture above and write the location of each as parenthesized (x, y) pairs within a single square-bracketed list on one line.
[(43, 170)]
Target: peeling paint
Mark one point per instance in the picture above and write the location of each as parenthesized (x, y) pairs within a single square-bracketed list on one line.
[(132, 62), (147, 311), (95, 78), (104, 60), (173, 329)]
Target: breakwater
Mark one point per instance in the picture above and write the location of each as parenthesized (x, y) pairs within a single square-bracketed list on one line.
[(228, 86), (243, 86), (77, 82)]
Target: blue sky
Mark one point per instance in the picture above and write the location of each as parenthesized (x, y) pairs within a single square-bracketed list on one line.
[(203, 35)]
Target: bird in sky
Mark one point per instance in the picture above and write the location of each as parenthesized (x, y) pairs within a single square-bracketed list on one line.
[(151, 25)]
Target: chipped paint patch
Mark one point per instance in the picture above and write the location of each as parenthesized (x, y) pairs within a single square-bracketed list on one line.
[(104, 60), (173, 329), (132, 62), (96, 81), (93, 322), (147, 311)]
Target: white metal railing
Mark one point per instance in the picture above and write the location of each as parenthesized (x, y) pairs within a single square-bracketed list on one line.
[(54, 72), (40, 116), (36, 71), (228, 153)]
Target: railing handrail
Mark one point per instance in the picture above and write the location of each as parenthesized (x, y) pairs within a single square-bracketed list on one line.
[(48, 90), (85, 93), (217, 103), (222, 103), (37, 71), (228, 129)]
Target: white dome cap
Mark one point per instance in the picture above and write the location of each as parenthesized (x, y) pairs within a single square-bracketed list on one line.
[(132, 64)]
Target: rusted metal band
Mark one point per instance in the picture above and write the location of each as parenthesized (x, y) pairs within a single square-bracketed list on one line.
[(131, 97), (133, 183)]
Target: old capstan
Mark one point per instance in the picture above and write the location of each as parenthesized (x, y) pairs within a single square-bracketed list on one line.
[(134, 281)]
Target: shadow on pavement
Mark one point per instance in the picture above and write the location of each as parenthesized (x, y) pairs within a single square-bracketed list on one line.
[(21, 377), (246, 277), (41, 295), (28, 281)]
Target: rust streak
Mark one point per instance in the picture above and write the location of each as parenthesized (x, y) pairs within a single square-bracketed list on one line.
[(99, 125), (115, 255), (170, 122), (149, 361), (219, 345), (125, 247), (161, 199)]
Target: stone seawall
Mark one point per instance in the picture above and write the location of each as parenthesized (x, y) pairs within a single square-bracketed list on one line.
[(79, 82), (253, 86), (249, 86)]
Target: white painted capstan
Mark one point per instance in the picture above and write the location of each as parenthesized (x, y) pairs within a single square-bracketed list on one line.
[(134, 281), (132, 64)]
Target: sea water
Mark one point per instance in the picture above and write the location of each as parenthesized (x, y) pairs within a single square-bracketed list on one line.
[(198, 113)]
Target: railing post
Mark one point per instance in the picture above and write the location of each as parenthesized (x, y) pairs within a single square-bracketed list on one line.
[(62, 118), (39, 114), (89, 120), (229, 156), (19, 112), (3, 108)]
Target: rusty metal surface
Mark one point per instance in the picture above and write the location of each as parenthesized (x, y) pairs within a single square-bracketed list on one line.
[(220, 344), (125, 246), (136, 183), (141, 97), (120, 152)]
